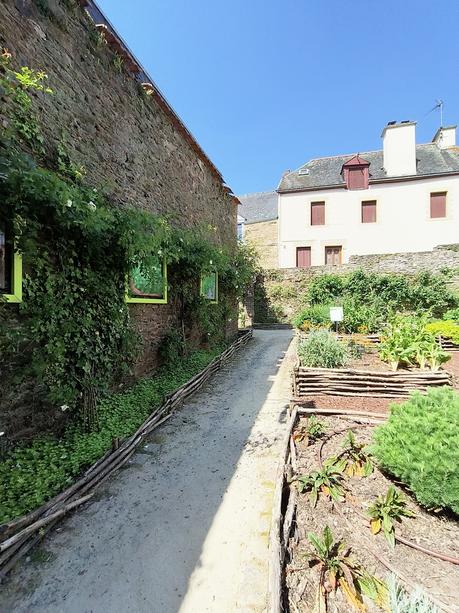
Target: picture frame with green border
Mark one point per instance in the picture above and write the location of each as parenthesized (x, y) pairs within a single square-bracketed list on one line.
[(15, 295), (209, 287), (10, 268), (147, 284)]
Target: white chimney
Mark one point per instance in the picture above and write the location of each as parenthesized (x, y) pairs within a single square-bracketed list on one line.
[(399, 148), (445, 137)]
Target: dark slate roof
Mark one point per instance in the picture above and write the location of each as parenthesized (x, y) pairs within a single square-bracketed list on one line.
[(261, 206), (326, 172)]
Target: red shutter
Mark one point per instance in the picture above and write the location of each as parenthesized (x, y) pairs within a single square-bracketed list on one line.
[(333, 256), (357, 178), (438, 204), (317, 213), (303, 257), (369, 211)]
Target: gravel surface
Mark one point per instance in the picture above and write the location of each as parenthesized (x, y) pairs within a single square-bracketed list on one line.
[(184, 527)]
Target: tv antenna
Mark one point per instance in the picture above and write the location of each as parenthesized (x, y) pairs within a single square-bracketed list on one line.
[(439, 105)]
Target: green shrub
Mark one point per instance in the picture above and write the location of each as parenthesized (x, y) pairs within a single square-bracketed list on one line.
[(452, 314), (447, 329), (419, 445), (422, 292), (322, 350), (32, 474), (312, 316), (406, 341), (364, 318), (324, 289)]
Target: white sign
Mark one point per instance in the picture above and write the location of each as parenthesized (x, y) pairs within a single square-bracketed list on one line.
[(336, 313)]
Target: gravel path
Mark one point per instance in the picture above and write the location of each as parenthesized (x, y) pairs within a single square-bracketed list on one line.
[(184, 527)]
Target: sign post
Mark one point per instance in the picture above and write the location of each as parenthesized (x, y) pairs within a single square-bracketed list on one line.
[(336, 315)]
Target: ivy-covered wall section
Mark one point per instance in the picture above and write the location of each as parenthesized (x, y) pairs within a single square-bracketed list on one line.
[(86, 204)]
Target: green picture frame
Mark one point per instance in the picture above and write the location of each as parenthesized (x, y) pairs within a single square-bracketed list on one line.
[(136, 296), (16, 280), (209, 287)]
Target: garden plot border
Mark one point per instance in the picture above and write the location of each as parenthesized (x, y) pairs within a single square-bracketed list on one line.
[(20, 535), (375, 384), (285, 502)]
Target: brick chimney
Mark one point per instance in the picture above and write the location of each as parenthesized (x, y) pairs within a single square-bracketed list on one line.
[(445, 137), (399, 148)]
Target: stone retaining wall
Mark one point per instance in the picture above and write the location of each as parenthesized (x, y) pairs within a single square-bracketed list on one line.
[(279, 293)]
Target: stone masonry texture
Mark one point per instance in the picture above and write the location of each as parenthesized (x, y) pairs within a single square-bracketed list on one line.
[(263, 236), (127, 143)]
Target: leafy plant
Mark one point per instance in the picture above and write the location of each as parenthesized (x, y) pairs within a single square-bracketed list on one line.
[(358, 459), (327, 481), (386, 509), (312, 431), (407, 341), (418, 445), (339, 570), (321, 349)]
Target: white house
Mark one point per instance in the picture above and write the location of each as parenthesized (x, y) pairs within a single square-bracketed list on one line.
[(403, 198)]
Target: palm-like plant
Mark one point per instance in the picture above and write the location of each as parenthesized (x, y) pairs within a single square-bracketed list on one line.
[(339, 570)]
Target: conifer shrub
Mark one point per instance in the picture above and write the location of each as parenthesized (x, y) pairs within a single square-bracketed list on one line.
[(419, 444)]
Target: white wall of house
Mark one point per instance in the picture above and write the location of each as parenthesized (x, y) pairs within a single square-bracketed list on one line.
[(403, 222)]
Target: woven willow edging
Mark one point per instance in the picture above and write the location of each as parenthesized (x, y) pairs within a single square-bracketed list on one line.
[(19, 535), (349, 382)]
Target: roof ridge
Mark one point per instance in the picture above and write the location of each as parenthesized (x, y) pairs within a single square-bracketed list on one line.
[(270, 191)]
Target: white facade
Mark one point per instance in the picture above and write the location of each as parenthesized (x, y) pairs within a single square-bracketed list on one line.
[(403, 212)]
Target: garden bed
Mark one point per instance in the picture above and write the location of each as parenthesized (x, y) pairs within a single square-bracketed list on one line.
[(372, 383), (20, 534), (294, 584), (364, 373)]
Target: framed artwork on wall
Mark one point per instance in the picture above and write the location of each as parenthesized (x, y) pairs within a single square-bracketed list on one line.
[(147, 282), (10, 267), (209, 287)]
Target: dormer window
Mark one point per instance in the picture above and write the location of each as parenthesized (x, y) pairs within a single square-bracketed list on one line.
[(356, 173)]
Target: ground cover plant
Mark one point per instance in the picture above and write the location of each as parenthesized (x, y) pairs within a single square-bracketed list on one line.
[(33, 473), (447, 328), (321, 349), (419, 445)]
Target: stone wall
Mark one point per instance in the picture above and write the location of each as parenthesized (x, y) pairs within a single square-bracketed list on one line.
[(279, 294), (130, 144), (127, 143), (263, 236)]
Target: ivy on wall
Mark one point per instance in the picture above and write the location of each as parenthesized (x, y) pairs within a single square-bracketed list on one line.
[(73, 331)]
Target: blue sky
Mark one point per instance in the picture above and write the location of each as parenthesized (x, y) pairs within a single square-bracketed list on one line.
[(265, 85)]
